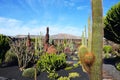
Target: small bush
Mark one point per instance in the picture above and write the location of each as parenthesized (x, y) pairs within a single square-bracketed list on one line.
[(76, 64), (51, 62), (10, 56), (64, 78), (69, 68), (30, 72), (117, 65), (107, 49), (53, 75), (73, 75)]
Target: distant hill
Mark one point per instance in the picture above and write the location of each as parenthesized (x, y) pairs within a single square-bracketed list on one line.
[(64, 36), (57, 36)]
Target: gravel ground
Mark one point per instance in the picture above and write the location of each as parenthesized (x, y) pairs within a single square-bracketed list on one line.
[(13, 73)]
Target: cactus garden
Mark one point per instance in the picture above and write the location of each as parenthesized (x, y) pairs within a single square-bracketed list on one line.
[(93, 55)]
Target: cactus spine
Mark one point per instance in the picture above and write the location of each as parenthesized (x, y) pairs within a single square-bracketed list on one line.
[(97, 39)]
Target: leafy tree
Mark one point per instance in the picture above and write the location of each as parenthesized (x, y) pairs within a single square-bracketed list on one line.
[(112, 24), (4, 46)]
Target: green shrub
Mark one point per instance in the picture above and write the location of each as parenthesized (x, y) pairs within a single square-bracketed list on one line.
[(51, 62), (73, 75), (10, 56), (29, 72), (117, 65), (4, 46), (69, 68), (76, 65), (64, 78), (53, 75), (107, 48)]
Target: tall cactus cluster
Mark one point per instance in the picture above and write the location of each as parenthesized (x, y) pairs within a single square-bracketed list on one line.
[(84, 38), (86, 45), (87, 41), (24, 52), (95, 43), (89, 34), (38, 45)]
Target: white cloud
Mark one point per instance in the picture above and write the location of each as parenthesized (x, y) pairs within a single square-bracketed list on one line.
[(4, 22), (15, 27), (69, 3), (81, 7)]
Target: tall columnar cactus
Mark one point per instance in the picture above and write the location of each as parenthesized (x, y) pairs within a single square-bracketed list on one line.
[(97, 39), (46, 43), (85, 37), (71, 45), (89, 34), (38, 45)]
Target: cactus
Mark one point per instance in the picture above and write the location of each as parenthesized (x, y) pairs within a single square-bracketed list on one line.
[(89, 34), (38, 45), (97, 39), (85, 37), (71, 45), (82, 50), (23, 51), (46, 43)]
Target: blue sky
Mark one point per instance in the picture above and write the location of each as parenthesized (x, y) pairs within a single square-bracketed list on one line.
[(33, 16)]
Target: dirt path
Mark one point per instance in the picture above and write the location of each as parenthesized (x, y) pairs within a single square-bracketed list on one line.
[(110, 72)]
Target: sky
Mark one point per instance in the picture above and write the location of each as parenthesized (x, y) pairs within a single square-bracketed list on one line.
[(20, 17)]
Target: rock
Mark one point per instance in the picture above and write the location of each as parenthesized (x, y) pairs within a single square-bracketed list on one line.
[(51, 49)]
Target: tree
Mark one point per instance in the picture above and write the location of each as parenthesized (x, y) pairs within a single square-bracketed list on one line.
[(112, 24), (4, 46), (97, 39)]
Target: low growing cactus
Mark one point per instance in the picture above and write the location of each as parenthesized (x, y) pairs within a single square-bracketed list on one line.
[(86, 58), (89, 59), (30, 72), (81, 52)]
